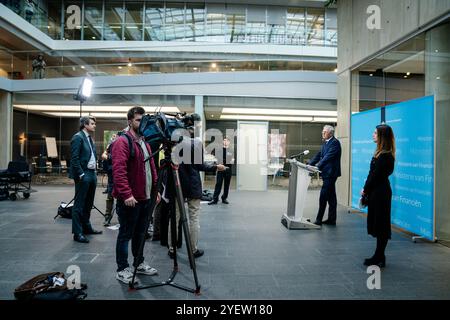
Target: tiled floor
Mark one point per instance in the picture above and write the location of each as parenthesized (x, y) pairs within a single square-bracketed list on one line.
[(248, 254)]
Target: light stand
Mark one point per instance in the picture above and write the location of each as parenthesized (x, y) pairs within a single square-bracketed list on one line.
[(84, 92)]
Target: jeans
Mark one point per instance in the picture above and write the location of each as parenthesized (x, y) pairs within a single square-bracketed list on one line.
[(132, 227)]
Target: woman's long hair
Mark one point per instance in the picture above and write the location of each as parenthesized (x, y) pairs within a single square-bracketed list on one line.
[(385, 140)]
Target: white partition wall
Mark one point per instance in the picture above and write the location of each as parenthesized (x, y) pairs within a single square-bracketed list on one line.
[(252, 155)]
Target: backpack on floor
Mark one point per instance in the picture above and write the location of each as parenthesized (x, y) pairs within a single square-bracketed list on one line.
[(49, 286), (64, 211), (207, 195)]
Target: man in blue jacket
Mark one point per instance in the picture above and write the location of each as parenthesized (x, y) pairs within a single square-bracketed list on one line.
[(83, 170), (328, 160)]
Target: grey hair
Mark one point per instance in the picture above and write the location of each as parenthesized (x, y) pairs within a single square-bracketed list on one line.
[(329, 129)]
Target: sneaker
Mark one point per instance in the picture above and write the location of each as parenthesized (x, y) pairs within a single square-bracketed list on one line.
[(198, 253), (144, 268), (126, 275), (171, 254)]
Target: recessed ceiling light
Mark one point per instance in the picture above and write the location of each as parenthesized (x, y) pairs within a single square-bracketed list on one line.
[(213, 65), (195, 68), (93, 38), (408, 73), (120, 67), (233, 69), (212, 116), (336, 70), (436, 50), (82, 67), (438, 78), (371, 75), (405, 77)]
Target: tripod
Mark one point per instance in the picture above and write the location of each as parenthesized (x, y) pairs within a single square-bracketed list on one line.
[(169, 170), (93, 206)]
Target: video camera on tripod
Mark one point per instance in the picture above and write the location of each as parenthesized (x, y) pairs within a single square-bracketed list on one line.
[(158, 129)]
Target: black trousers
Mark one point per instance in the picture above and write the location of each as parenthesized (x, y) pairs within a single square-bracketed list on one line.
[(132, 227), (328, 195), (84, 200), (222, 177), (381, 247)]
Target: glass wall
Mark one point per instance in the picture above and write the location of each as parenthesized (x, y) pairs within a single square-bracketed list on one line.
[(56, 116), (295, 137), (392, 77), (419, 66), (78, 63), (154, 21), (437, 82), (93, 20), (171, 21)]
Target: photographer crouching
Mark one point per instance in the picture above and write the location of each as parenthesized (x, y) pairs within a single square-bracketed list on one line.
[(135, 180)]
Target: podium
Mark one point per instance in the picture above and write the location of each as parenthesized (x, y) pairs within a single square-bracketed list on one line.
[(298, 187)]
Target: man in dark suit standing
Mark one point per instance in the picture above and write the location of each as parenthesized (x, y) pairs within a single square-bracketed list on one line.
[(328, 160), (83, 167), (223, 177)]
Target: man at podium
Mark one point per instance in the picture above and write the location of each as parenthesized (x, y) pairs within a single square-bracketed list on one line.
[(328, 160)]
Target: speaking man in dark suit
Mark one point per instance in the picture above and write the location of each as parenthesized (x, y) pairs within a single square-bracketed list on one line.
[(328, 160), (83, 165)]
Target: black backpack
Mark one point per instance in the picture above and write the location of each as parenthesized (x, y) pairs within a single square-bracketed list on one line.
[(207, 195), (130, 143), (65, 210), (42, 287)]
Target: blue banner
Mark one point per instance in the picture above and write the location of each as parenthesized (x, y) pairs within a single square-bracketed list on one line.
[(413, 179), (362, 125)]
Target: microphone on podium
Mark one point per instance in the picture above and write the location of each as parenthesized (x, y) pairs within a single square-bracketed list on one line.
[(304, 153)]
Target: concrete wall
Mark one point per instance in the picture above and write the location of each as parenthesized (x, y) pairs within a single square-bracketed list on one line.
[(358, 44), (6, 123)]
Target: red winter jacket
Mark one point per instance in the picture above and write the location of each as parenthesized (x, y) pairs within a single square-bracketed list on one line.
[(129, 173)]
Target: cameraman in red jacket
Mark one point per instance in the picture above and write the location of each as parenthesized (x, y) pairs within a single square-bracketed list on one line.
[(135, 177)]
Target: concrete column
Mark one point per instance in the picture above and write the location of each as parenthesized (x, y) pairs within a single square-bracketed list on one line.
[(6, 128), (200, 110), (343, 134)]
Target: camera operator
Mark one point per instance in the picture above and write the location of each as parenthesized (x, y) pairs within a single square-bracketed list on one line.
[(134, 175), (107, 166), (38, 66), (191, 183)]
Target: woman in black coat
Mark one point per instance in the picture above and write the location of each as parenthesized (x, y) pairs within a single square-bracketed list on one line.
[(377, 190)]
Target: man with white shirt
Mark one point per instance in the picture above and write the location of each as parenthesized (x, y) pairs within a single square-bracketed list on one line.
[(83, 165), (328, 160)]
